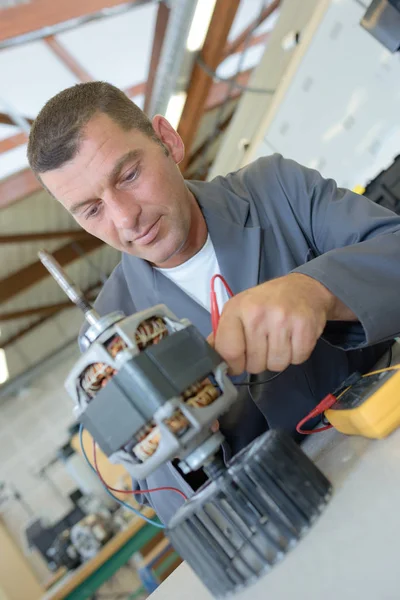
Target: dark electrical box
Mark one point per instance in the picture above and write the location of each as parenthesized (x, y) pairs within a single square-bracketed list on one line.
[(385, 188)]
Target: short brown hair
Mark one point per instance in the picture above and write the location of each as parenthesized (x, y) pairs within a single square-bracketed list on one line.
[(57, 131)]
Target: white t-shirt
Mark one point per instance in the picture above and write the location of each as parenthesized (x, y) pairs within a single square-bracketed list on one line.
[(194, 276)]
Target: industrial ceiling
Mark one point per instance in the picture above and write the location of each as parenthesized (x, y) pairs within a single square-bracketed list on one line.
[(47, 46)]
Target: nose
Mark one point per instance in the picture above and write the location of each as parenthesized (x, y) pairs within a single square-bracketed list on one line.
[(124, 212)]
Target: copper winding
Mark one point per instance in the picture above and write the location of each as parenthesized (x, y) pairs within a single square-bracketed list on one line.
[(204, 394), (151, 331), (95, 376)]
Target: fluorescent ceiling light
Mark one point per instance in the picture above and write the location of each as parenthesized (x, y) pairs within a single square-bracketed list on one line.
[(4, 375), (175, 108), (200, 24)]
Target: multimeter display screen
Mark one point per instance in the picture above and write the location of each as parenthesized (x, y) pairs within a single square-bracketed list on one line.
[(362, 390)]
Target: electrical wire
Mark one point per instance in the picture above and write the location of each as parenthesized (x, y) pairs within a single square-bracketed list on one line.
[(390, 356), (330, 399), (215, 316), (260, 381), (232, 80), (232, 83), (149, 491), (121, 502), (214, 309)]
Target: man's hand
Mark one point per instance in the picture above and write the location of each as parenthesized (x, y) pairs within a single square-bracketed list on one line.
[(276, 323)]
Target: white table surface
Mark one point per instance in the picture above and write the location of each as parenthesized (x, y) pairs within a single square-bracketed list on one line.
[(353, 550)]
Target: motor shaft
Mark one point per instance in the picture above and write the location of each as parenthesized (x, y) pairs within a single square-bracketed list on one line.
[(68, 286)]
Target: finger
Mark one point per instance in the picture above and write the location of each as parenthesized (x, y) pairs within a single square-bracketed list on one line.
[(211, 340), (230, 342), (304, 338), (215, 427), (279, 348), (256, 351)]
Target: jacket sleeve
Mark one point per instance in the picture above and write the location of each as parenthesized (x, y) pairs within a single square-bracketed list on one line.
[(357, 253)]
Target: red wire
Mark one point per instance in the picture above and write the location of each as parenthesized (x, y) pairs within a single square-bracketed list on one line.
[(319, 409), (159, 489), (325, 403), (215, 315)]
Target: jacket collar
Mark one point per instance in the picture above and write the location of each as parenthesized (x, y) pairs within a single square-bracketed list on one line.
[(237, 248)]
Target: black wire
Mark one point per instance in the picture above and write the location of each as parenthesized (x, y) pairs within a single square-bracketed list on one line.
[(249, 386), (389, 358), (260, 382)]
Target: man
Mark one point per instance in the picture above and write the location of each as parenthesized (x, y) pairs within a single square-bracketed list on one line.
[(315, 269)]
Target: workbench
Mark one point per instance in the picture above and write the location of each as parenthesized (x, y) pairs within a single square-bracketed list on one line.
[(83, 582), (352, 551)]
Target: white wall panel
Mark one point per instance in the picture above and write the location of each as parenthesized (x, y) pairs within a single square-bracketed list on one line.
[(340, 113)]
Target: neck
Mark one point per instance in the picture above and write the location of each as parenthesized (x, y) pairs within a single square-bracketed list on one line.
[(196, 238)]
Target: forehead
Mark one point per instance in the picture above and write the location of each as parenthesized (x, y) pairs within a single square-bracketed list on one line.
[(103, 144)]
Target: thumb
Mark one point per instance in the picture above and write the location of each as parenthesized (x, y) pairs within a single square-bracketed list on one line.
[(211, 340)]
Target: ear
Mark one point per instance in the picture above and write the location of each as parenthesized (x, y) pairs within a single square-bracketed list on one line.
[(169, 137)]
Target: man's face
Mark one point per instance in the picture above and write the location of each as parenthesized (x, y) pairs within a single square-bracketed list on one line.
[(124, 189)]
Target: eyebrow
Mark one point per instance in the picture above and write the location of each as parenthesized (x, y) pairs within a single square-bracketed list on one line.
[(119, 165)]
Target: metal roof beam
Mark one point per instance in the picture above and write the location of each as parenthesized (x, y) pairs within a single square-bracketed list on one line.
[(28, 276), (158, 40), (200, 82)]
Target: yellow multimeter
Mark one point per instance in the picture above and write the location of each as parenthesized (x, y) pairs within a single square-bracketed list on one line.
[(370, 407)]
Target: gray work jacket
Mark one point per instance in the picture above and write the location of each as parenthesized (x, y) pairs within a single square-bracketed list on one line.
[(271, 218)]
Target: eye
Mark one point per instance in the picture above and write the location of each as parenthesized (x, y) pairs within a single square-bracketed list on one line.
[(131, 176), (92, 212)]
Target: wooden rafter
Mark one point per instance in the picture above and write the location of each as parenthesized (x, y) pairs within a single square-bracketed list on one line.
[(204, 146), (67, 59), (200, 82), (136, 90), (5, 119), (215, 97), (256, 40), (159, 34), (218, 91), (46, 317), (22, 332), (23, 279), (25, 18), (45, 310), (234, 45), (20, 138), (12, 142), (18, 186), (21, 238)]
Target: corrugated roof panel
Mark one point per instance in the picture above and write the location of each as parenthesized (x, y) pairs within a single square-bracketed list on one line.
[(16, 256), (38, 212)]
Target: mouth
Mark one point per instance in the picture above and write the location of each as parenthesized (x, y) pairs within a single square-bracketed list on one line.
[(149, 235)]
